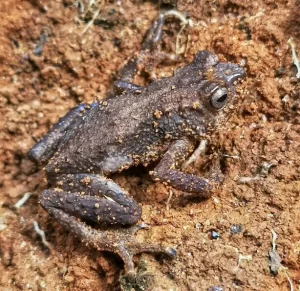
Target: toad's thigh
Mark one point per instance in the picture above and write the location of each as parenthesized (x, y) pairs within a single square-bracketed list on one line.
[(91, 197)]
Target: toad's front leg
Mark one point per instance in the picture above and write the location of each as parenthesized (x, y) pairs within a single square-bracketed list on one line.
[(98, 199), (166, 171)]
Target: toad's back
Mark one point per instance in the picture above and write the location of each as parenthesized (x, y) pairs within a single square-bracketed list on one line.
[(114, 129)]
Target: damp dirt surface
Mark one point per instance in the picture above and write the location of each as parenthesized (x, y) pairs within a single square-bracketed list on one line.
[(51, 60)]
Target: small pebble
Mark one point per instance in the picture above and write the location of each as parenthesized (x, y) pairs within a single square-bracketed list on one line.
[(214, 234), (35, 104), (236, 228)]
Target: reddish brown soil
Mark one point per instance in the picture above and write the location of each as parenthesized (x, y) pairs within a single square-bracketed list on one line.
[(74, 67)]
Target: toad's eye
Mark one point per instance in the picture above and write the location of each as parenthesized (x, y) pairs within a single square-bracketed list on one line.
[(219, 98)]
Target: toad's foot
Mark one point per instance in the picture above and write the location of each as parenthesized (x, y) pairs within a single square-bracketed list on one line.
[(119, 241)]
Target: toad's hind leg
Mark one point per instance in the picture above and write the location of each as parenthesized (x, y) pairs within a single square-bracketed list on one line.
[(139, 61), (153, 37), (98, 199), (92, 197)]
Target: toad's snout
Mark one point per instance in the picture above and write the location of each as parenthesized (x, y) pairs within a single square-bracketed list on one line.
[(229, 72)]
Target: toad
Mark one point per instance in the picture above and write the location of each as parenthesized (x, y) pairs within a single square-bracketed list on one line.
[(161, 122)]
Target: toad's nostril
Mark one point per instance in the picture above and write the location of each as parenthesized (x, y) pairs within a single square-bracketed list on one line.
[(239, 74), (229, 72)]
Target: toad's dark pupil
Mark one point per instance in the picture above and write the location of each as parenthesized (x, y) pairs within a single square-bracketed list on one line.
[(222, 98)]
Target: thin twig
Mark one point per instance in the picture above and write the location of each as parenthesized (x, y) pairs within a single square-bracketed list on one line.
[(169, 200), (41, 233), (90, 23), (294, 56), (23, 200), (198, 151)]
